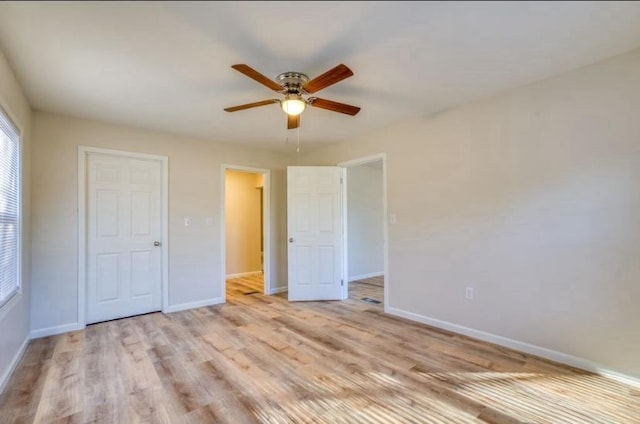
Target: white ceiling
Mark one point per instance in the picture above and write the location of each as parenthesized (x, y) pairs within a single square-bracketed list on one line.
[(166, 65)]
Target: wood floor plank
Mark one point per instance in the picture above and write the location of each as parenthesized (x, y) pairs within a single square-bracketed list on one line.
[(261, 359)]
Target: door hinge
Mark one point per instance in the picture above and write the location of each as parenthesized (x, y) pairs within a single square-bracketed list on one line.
[(342, 283)]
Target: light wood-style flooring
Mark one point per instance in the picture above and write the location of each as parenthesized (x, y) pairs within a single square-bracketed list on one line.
[(245, 286), (260, 359), (368, 289)]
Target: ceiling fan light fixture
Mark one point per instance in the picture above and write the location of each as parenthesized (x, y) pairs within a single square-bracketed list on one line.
[(293, 105), (294, 86)]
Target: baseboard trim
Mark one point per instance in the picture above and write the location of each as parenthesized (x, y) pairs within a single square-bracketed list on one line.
[(531, 349), (278, 290), (622, 378), (243, 274), (52, 331), (193, 305), (364, 276), (4, 380)]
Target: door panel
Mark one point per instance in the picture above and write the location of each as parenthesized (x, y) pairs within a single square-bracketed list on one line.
[(303, 264), (141, 278), (141, 213), (315, 232), (107, 213), (124, 221), (107, 281)]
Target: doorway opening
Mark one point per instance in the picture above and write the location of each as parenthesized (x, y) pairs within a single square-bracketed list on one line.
[(245, 225), (365, 237)]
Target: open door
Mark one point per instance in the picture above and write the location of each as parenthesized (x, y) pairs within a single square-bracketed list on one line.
[(314, 210)]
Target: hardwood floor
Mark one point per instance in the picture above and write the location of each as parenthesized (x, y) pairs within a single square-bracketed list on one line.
[(260, 359), (368, 289), (245, 285)]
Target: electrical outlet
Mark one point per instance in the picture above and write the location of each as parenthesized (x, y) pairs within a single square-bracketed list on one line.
[(392, 218), (187, 222), (469, 293)]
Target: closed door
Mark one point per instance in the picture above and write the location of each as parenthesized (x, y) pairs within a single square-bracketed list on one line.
[(314, 208), (123, 236)]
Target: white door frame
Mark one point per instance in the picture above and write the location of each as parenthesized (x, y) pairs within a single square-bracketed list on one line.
[(83, 152), (385, 229), (266, 225)]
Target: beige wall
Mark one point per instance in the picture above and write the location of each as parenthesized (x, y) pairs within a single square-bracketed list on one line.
[(531, 197), (195, 190), (14, 316), (242, 222)]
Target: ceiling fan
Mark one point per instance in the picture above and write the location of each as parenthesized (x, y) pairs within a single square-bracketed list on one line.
[(296, 86)]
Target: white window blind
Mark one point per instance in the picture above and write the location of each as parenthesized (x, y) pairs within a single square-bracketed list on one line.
[(9, 209)]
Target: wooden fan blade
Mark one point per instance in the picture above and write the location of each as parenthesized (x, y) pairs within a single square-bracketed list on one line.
[(330, 77), (257, 76), (250, 105), (334, 106), (293, 122)]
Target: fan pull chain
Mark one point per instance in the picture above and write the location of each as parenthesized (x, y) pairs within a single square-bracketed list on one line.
[(298, 131)]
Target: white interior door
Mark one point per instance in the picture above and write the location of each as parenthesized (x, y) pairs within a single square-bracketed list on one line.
[(123, 236), (314, 208)]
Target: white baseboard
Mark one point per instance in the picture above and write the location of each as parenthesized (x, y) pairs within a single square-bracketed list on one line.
[(364, 276), (243, 274), (277, 290), (542, 352), (14, 363), (52, 331), (193, 305), (614, 375)]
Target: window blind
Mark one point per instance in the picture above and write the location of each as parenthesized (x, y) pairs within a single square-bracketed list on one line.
[(9, 209)]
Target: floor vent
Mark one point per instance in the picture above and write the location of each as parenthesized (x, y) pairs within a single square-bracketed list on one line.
[(251, 292), (368, 299)]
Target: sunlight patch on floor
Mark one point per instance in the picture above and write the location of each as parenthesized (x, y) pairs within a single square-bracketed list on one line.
[(372, 397), (539, 397)]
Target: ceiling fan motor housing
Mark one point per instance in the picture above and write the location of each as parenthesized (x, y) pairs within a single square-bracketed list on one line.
[(292, 82)]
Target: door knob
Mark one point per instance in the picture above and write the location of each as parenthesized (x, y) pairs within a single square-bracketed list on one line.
[(290, 239), (156, 243)]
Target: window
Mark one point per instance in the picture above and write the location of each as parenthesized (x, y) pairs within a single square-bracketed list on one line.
[(9, 209)]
